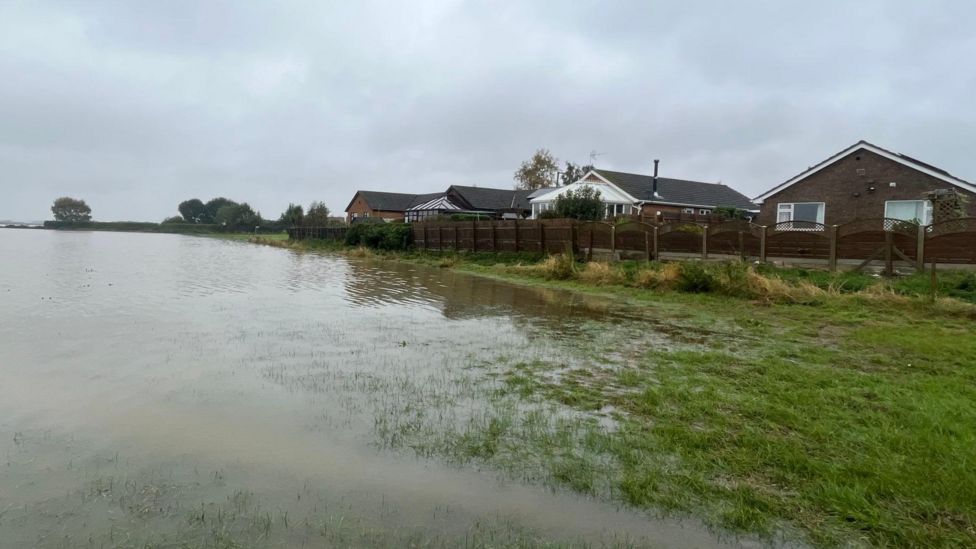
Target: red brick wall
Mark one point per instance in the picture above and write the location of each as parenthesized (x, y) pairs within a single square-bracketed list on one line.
[(361, 208), (845, 193)]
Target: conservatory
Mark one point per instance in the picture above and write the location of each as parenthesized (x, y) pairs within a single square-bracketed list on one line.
[(616, 202)]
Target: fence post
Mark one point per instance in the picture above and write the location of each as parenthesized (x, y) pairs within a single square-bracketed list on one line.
[(889, 264), (613, 240), (704, 241), (440, 238), (494, 239), (655, 243), (456, 243), (762, 244), (589, 251), (474, 235), (542, 237), (647, 245), (920, 250), (516, 236), (425, 237), (574, 237), (833, 248)]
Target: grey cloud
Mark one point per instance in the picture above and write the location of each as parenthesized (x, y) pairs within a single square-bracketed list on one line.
[(137, 106)]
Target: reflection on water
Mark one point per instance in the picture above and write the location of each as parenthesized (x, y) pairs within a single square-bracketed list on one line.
[(157, 386)]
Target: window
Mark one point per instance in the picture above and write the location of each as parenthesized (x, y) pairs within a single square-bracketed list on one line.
[(688, 211), (804, 216), (704, 211), (919, 211)]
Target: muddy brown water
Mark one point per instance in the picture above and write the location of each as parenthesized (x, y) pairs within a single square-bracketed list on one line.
[(145, 393)]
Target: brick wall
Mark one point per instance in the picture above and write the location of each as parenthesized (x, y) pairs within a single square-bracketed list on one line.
[(846, 193), (359, 208)]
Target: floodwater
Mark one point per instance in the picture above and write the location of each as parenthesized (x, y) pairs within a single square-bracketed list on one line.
[(174, 391)]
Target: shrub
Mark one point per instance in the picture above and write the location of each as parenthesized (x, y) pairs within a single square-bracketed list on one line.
[(695, 278), (733, 278), (665, 277), (380, 236)]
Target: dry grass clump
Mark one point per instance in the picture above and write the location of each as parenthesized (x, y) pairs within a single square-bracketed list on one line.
[(883, 292), (772, 288), (601, 274), (554, 267), (361, 251), (664, 278)]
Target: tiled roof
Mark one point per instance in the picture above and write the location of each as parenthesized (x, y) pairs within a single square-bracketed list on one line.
[(485, 198), (678, 191), (394, 202)]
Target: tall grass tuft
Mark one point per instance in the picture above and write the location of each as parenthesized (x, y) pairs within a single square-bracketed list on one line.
[(601, 274)]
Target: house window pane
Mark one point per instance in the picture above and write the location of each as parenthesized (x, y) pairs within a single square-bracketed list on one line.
[(801, 215), (919, 211), (806, 212)]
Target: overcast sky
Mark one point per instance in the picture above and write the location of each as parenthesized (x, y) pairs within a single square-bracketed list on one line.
[(135, 106)]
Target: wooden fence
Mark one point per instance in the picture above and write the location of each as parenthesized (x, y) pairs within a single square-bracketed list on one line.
[(330, 233), (884, 240)]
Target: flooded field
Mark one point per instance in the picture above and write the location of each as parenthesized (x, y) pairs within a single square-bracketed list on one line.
[(171, 391)]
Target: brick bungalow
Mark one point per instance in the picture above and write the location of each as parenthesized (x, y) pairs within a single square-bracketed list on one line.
[(383, 205), (457, 199), (865, 181), (651, 196)]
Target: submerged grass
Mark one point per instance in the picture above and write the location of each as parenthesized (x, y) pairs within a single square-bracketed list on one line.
[(847, 425)]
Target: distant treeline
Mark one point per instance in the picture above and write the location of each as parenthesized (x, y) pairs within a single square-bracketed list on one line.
[(148, 227)]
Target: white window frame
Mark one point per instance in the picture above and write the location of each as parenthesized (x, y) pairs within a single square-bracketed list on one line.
[(926, 210), (789, 207), (688, 211), (704, 211)]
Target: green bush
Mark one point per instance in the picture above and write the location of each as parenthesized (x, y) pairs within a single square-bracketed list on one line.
[(380, 236), (695, 278)]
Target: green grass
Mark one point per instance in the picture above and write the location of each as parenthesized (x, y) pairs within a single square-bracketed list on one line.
[(248, 237), (855, 423)]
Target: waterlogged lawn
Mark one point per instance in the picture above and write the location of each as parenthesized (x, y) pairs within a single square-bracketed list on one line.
[(849, 422)]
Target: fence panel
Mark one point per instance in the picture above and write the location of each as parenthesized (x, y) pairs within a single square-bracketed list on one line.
[(736, 237), (595, 235), (329, 233), (681, 237), (951, 241), (803, 240), (946, 242)]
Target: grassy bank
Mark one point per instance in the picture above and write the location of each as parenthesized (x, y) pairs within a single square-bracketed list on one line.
[(201, 229), (734, 279), (839, 407)]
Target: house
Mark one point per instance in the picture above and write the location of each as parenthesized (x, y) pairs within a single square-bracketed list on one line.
[(862, 182), (457, 199), (481, 201), (649, 195), (383, 205)]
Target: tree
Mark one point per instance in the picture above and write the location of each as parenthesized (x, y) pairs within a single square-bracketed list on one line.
[(192, 210), (317, 215), (238, 217), (573, 173), (210, 209), (293, 216), (174, 220), (584, 203), (539, 172), (70, 209)]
